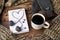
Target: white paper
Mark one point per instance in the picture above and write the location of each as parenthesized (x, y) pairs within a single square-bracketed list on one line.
[(15, 15)]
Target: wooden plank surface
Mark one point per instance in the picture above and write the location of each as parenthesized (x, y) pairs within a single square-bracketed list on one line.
[(32, 32)]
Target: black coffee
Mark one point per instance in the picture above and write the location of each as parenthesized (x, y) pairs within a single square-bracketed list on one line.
[(37, 19)]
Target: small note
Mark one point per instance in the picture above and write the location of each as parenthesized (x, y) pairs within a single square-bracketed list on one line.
[(18, 17)]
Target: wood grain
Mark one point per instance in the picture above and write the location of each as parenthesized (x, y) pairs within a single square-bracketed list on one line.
[(32, 32), (48, 34)]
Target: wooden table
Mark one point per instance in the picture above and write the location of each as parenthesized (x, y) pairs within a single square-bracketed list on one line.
[(32, 31)]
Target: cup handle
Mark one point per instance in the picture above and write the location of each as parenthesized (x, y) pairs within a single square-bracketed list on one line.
[(46, 25)]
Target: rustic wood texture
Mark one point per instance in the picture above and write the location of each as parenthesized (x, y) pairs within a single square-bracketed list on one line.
[(5, 12), (32, 32), (15, 2), (53, 33), (49, 34)]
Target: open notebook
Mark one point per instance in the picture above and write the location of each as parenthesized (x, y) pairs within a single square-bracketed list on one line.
[(18, 21)]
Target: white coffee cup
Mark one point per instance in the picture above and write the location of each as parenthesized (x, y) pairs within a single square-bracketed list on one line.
[(38, 21)]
